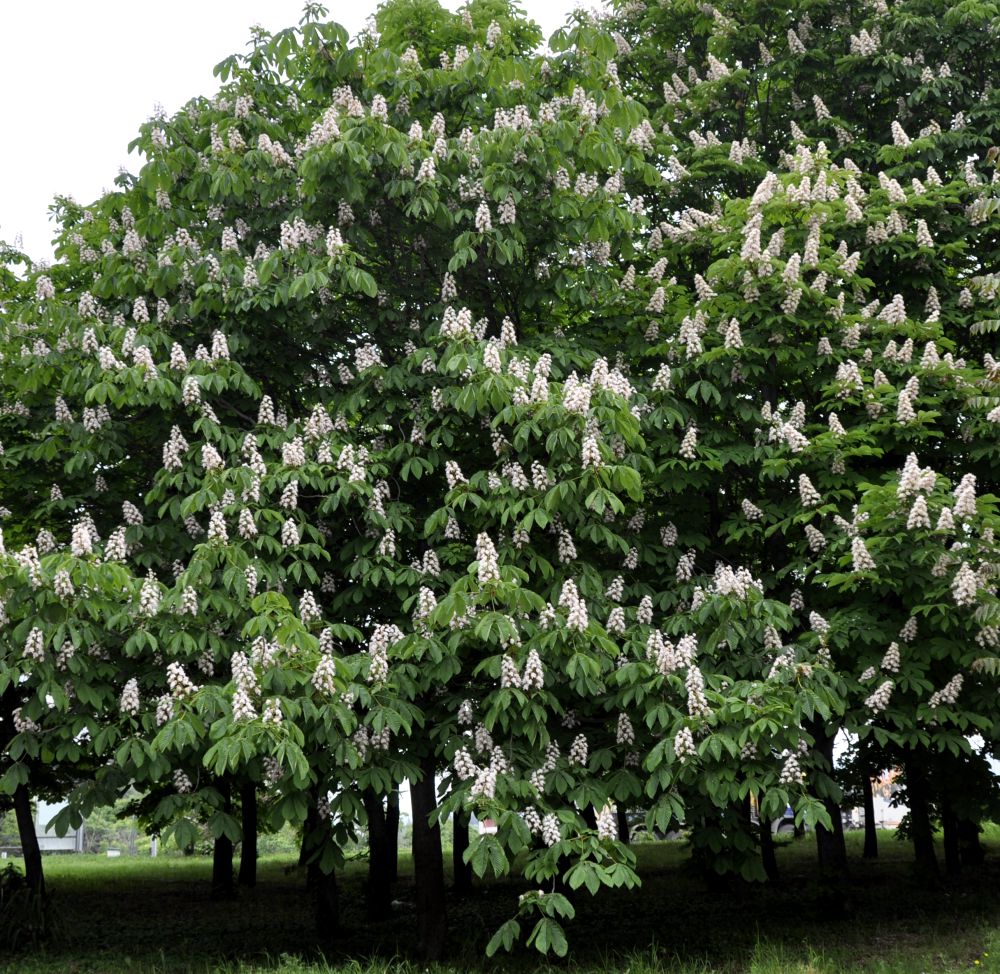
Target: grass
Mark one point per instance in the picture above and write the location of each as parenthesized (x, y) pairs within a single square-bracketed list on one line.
[(141, 916)]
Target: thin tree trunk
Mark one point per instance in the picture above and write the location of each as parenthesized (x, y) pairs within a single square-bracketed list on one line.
[(767, 854), (461, 870), (34, 874), (392, 834), (222, 867), (949, 825), (321, 885), (623, 829), (222, 852), (428, 866), (831, 848), (970, 847), (326, 901), (871, 831), (305, 849), (248, 847), (378, 894), (921, 831)]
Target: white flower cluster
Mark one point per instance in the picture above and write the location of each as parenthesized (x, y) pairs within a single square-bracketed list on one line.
[(791, 772), (689, 444), (149, 597), (383, 638), (891, 659), (575, 606), (178, 681), (948, 694), (862, 559), (324, 677), (129, 702), (684, 746), (607, 822), (879, 699), (488, 571), (965, 586)]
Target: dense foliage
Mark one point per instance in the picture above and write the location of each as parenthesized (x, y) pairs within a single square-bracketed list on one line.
[(563, 434)]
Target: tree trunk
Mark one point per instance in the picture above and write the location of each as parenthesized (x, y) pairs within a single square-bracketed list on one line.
[(33, 871), (222, 867), (222, 852), (921, 831), (949, 825), (461, 870), (589, 814), (623, 829), (392, 834), (428, 866), (248, 847), (312, 820), (767, 855), (871, 832), (326, 900), (378, 894), (831, 848), (970, 849), (322, 886)]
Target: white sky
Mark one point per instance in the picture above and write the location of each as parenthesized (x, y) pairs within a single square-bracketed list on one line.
[(80, 77)]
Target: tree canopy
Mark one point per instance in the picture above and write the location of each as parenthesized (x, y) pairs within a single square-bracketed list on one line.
[(563, 433)]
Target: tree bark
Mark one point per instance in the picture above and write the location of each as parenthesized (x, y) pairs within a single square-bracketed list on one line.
[(326, 901), (831, 848), (34, 874), (392, 834), (428, 866), (921, 831), (461, 870), (623, 829), (222, 852), (248, 847), (952, 855), (871, 830), (589, 814), (767, 855), (322, 886), (970, 848), (378, 893)]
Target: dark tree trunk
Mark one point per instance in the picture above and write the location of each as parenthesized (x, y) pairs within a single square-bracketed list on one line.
[(767, 855), (871, 832), (222, 867), (589, 814), (831, 848), (921, 831), (308, 827), (949, 825), (322, 886), (623, 829), (970, 849), (248, 847), (461, 870), (33, 871), (428, 866), (378, 895), (222, 851), (392, 834), (326, 901)]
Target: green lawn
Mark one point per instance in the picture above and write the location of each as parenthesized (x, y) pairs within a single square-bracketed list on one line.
[(156, 916)]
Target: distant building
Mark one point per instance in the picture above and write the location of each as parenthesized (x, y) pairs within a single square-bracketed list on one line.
[(48, 841)]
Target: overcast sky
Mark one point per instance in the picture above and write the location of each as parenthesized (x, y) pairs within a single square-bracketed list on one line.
[(79, 78)]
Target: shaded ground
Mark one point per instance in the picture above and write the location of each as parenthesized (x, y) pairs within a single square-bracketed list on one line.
[(156, 916)]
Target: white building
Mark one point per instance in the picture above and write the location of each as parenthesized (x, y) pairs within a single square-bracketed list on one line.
[(48, 841)]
